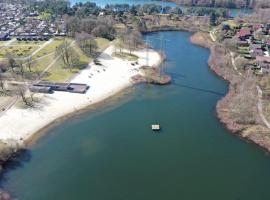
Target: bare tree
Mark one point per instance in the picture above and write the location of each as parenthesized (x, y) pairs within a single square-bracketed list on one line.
[(21, 93), (2, 70), (29, 62), (20, 64), (10, 61), (67, 53), (134, 39), (87, 43)]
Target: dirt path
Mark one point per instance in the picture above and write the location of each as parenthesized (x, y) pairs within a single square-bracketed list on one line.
[(234, 65), (259, 103), (54, 61), (36, 51), (260, 107)]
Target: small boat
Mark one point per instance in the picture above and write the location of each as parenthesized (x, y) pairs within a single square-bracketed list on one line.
[(156, 127)]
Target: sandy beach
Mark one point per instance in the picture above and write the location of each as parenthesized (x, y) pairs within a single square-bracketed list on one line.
[(114, 75)]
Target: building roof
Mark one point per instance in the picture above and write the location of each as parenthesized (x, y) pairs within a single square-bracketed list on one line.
[(257, 52), (256, 46), (257, 26), (263, 59), (244, 32), (3, 35), (268, 42)]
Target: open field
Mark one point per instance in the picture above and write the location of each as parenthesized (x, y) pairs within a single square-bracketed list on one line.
[(59, 72), (46, 57), (2, 43), (102, 44), (50, 48), (18, 50)]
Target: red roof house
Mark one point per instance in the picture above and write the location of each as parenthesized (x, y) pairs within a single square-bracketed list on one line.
[(244, 33)]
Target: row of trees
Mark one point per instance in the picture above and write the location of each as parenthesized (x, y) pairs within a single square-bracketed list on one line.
[(11, 70), (55, 7), (98, 27), (130, 39), (202, 11), (226, 3)]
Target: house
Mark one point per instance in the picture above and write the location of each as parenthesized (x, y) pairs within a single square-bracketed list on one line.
[(268, 43), (244, 34), (255, 46), (256, 52), (256, 27), (4, 37), (242, 43), (266, 29), (263, 61)]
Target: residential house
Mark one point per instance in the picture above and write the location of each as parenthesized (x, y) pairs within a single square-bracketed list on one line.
[(263, 62), (244, 34)]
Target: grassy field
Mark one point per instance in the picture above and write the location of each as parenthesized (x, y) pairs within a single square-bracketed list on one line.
[(102, 44), (17, 50), (44, 16), (50, 48), (59, 72), (2, 43), (43, 63)]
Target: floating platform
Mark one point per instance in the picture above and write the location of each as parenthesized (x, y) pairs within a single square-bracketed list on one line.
[(156, 127)]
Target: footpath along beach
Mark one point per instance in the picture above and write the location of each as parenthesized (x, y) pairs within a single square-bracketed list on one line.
[(106, 80)]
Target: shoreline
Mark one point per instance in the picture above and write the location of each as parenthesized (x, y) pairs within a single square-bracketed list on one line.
[(104, 104), (105, 82), (222, 105)]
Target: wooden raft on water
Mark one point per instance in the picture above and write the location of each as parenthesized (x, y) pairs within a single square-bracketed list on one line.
[(155, 127)]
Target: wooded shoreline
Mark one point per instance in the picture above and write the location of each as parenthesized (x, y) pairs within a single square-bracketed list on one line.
[(256, 133)]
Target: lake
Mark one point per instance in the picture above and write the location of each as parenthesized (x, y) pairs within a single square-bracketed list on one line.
[(112, 153)]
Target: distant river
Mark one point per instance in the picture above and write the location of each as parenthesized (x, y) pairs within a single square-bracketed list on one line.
[(112, 154)]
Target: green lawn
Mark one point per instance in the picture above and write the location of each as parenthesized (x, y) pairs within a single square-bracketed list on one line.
[(102, 44), (18, 51), (2, 43), (44, 16), (50, 48), (61, 73), (58, 72), (43, 63)]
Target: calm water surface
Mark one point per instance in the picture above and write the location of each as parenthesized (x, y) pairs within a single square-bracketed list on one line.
[(113, 154)]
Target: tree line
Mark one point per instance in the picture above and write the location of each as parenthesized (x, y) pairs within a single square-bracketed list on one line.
[(226, 3)]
